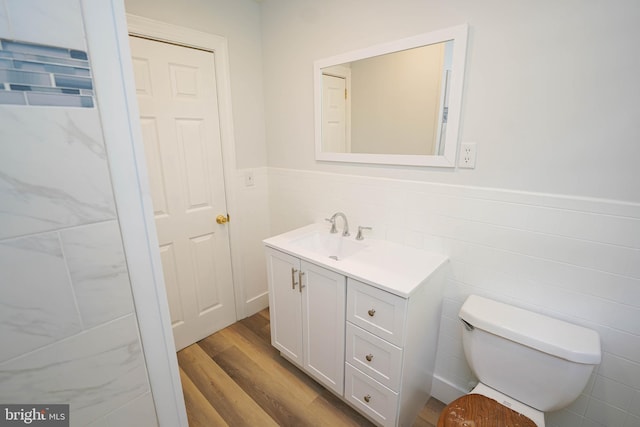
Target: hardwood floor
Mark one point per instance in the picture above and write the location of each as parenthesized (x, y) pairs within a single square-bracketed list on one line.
[(236, 378)]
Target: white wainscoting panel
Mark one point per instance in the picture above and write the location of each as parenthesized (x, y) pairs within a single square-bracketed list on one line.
[(572, 258)]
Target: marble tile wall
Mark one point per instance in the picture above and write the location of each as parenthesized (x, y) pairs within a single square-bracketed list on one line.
[(56, 23), (37, 303), (67, 321), (53, 170), (98, 272)]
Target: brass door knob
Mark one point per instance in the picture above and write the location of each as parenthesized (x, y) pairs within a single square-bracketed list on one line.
[(221, 219), (371, 312), (369, 357), (367, 398)]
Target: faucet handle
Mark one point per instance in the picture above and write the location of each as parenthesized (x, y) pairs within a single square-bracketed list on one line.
[(360, 228), (332, 220)]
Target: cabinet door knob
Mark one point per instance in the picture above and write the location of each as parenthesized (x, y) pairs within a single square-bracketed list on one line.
[(369, 357), (371, 312), (367, 398)]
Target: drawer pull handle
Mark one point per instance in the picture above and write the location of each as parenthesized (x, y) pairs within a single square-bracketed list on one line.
[(369, 357), (371, 312), (367, 398), (293, 278)]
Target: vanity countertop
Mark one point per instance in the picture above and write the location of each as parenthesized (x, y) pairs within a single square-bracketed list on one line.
[(390, 266)]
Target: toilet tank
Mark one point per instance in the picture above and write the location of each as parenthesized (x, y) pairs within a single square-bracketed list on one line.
[(543, 362)]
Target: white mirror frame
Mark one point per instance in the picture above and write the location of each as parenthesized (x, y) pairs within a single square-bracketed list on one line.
[(459, 35)]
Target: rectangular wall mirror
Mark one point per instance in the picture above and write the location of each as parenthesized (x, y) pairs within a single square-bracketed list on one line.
[(395, 103)]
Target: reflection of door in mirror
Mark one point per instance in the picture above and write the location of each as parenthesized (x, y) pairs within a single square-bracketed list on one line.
[(336, 114), (334, 119)]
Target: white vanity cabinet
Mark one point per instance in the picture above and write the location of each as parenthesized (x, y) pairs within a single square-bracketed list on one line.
[(362, 318), (307, 316), (390, 350)]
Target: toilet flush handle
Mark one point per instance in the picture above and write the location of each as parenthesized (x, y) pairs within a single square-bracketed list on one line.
[(468, 326)]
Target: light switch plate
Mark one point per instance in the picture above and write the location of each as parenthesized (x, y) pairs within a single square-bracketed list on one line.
[(249, 179)]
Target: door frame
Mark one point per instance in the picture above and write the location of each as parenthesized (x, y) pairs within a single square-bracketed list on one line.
[(107, 34), (149, 31), (217, 45)]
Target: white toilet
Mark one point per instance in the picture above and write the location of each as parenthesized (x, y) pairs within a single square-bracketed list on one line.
[(527, 364)]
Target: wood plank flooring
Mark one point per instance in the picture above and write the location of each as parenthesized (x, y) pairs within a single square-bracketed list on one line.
[(236, 378)]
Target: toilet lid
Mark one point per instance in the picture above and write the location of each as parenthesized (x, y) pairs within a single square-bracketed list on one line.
[(476, 410)]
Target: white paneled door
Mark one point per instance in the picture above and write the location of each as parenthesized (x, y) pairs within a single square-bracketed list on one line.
[(176, 90)]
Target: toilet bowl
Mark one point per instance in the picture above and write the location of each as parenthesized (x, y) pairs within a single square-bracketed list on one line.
[(519, 358)]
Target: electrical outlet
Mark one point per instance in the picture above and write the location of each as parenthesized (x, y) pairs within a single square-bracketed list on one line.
[(467, 155)]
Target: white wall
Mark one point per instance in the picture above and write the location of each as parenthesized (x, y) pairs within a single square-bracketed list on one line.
[(239, 22), (549, 219), (68, 328), (550, 93)]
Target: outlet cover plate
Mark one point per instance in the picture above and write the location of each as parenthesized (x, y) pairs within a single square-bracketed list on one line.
[(467, 155)]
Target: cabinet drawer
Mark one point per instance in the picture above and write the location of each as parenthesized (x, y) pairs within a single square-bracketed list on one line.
[(374, 356), (376, 311), (370, 397)]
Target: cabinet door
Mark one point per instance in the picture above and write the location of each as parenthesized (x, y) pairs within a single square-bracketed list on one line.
[(323, 309), (285, 307)]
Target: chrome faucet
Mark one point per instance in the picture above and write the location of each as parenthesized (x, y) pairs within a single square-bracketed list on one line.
[(332, 220)]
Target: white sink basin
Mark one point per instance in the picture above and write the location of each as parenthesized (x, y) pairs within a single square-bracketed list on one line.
[(389, 266), (328, 245)]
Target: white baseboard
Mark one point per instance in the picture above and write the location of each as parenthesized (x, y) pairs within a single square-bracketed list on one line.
[(255, 304), (445, 391)]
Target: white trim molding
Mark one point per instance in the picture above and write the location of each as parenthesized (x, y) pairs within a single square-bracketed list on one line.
[(161, 31), (107, 38)]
